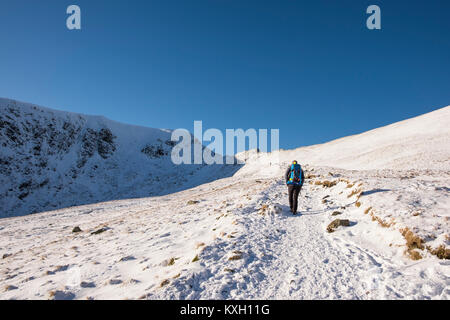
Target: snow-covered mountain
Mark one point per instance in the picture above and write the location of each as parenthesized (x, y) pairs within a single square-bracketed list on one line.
[(52, 159)]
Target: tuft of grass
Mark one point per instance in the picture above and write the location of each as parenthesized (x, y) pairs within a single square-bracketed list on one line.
[(367, 210), (196, 258), (381, 222), (191, 202), (164, 283), (326, 183), (358, 204), (441, 252), (171, 262), (329, 184), (354, 191), (414, 255), (412, 241), (199, 244)]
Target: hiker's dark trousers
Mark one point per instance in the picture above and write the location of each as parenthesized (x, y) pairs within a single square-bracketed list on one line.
[(293, 190)]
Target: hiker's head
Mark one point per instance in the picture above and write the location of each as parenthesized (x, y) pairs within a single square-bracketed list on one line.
[(294, 162)]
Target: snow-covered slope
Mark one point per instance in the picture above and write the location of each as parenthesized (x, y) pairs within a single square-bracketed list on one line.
[(52, 159), (422, 142), (233, 238)]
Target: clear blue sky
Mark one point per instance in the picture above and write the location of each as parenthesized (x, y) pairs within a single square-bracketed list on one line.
[(310, 68)]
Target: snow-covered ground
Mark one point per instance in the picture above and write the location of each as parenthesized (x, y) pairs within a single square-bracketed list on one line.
[(238, 241), (234, 238)]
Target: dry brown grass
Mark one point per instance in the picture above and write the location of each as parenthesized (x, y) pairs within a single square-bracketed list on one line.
[(414, 255), (412, 240), (441, 252), (171, 262), (326, 183), (199, 244), (381, 222), (367, 210), (196, 258), (237, 255), (164, 283), (358, 204), (355, 191), (329, 184)]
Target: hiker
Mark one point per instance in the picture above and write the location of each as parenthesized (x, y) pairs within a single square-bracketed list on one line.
[(294, 179)]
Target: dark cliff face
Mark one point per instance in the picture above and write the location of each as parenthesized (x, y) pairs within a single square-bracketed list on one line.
[(51, 159)]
